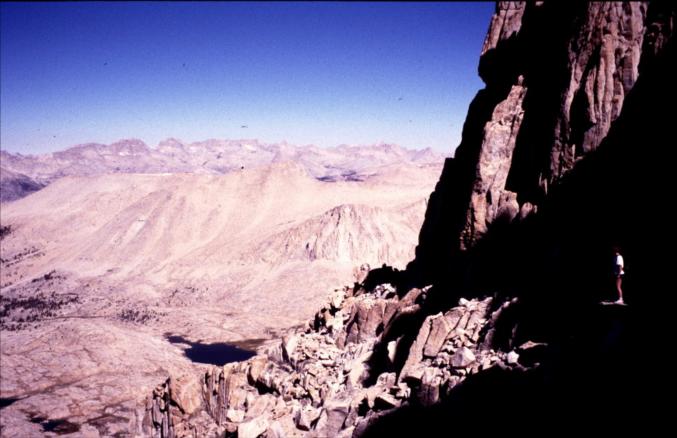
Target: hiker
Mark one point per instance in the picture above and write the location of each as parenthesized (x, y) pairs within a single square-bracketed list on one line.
[(618, 273)]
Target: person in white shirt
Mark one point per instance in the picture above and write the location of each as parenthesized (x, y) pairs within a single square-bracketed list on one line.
[(618, 273)]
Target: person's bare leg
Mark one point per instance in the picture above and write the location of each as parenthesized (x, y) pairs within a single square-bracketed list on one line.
[(619, 280)]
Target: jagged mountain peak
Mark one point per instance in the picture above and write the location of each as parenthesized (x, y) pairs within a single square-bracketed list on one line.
[(215, 156)]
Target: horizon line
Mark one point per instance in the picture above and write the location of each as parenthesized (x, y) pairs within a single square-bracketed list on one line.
[(257, 140)]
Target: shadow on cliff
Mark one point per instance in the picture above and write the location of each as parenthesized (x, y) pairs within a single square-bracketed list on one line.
[(559, 261), (579, 388), (601, 364), (545, 31), (586, 383)]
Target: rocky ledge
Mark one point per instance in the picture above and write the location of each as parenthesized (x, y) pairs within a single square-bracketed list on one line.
[(354, 362)]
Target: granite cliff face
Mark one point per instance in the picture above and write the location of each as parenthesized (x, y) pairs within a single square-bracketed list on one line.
[(557, 77), (498, 320)]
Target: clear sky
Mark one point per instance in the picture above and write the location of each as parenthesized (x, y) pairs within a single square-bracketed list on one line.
[(305, 72)]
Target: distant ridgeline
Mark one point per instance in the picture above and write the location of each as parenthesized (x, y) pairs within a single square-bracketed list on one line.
[(21, 175), (497, 321)]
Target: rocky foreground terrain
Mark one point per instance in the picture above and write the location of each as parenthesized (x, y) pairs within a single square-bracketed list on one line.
[(349, 367), (496, 326)]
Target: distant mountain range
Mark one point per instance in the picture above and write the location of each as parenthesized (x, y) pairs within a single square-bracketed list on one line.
[(23, 174)]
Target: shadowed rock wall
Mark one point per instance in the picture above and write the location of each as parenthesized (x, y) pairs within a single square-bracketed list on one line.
[(557, 75)]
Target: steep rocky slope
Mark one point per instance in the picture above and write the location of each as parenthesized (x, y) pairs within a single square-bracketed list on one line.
[(337, 377), (557, 77), (154, 227), (564, 153)]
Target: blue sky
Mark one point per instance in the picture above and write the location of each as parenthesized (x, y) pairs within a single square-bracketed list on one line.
[(305, 72)]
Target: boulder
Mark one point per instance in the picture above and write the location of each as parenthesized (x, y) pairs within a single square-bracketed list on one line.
[(413, 375), (289, 344), (186, 393), (439, 330), (386, 401), (237, 398), (257, 365), (252, 428), (453, 316), (305, 417), (335, 323), (416, 349), (411, 297), (275, 430), (332, 418), (366, 317), (261, 405), (336, 299), (429, 391), (512, 358), (235, 415), (390, 310), (386, 380), (462, 358)]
